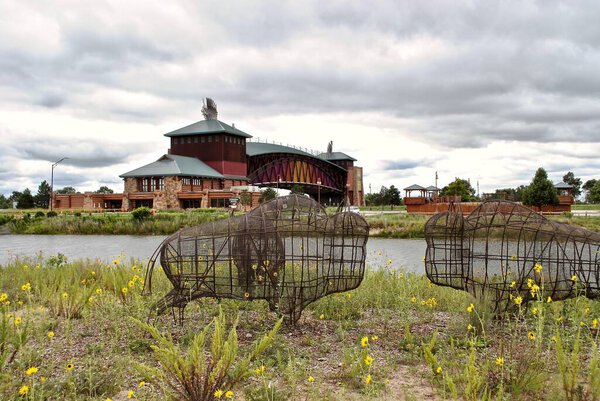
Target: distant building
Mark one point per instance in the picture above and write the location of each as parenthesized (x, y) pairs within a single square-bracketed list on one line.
[(209, 163)]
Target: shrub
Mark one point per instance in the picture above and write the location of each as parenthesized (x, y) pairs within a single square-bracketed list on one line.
[(141, 213), (39, 214), (51, 213), (204, 370)]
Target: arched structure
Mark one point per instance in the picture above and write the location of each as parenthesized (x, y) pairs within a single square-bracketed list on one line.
[(285, 167)]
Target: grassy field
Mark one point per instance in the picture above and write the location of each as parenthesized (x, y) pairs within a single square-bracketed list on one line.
[(585, 207), (73, 330), (389, 225)]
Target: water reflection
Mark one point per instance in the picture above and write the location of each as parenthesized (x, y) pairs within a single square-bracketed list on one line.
[(405, 254)]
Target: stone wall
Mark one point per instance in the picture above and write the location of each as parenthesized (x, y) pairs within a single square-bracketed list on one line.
[(167, 198)]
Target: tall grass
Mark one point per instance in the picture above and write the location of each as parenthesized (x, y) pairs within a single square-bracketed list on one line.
[(73, 322), (113, 223)]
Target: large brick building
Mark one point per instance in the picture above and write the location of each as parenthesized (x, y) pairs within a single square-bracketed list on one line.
[(209, 162)]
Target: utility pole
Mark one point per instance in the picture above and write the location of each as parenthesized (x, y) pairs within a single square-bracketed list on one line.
[(52, 182)]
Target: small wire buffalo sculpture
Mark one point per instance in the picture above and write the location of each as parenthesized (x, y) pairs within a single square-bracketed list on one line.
[(287, 251), (512, 253)]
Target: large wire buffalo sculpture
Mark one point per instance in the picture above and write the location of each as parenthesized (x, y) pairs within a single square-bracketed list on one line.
[(287, 251), (512, 255)]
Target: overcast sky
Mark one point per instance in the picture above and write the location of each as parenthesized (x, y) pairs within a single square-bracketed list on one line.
[(483, 90)]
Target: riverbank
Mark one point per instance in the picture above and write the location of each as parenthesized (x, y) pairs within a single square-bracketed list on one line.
[(69, 332), (383, 225)]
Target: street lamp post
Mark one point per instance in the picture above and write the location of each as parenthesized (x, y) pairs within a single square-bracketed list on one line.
[(319, 190), (52, 182)]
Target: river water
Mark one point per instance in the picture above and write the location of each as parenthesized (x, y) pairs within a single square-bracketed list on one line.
[(405, 254)]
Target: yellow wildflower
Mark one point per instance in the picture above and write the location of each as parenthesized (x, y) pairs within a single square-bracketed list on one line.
[(537, 267), (587, 311), (65, 295), (389, 262), (518, 300), (124, 290), (98, 291), (470, 308), (534, 310), (470, 328), (310, 379), (142, 384), (595, 324), (513, 257), (513, 284), (438, 370), (3, 297), (50, 335), (130, 394), (69, 367), (24, 390), (531, 335), (218, 393), (529, 283), (500, 361), (260, 370), (42, 379), (549, 300), (131, 283), (229, 394), (17, 321), (368, 360), (364, 341), (374, 338), (26, 287), (246, 295), (31, 371), (574, 279), (116, 262), (321, 316), (413, 300), (368, 379)]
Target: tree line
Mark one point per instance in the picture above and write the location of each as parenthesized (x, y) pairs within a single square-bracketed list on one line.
[(27, 200)]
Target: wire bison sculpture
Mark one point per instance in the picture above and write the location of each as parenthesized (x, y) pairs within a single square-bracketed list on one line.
[(287, 251), (512, 255)]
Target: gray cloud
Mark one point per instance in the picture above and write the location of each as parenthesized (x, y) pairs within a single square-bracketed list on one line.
[(453, 75)]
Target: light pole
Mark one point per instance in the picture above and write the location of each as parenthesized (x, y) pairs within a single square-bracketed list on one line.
[(278, 182), (319, 190), (52, 182)]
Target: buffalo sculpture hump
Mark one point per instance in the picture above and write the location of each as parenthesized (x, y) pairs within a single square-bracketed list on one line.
[(512, 255), (288, 251)]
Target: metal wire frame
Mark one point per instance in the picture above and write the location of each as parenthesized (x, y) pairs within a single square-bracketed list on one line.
[(288, 252), (504, 250)]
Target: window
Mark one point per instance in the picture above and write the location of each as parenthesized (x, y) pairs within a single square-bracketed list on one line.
[(210, 138), (174, 141), (202, 139), (189, 140), (219, 202), (195, 139), (197, 182), (217, 138), (151, 184)]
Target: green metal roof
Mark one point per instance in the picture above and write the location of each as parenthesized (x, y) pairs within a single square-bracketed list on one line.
[(174, 165), (336, 156), (562, 185), (208, 127), (261, 148), (415, 187)]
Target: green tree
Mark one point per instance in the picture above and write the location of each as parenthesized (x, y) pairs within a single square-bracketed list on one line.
[(5, 202), (104, 190), (593, 195), (297, 189), (589, 184), (460, 187), (25, 200), (42, 198), (267, 195), (66, 191), (541, 191), (245, 198), (512, 194), (575, 182), (393, 194)]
